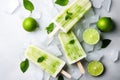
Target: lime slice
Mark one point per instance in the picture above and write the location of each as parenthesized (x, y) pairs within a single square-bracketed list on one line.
[(91, 36), (95, 68)]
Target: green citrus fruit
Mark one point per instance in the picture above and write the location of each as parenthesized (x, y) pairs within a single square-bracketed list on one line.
[(105, 24), (95, 68), (30, 24), (91, 36)]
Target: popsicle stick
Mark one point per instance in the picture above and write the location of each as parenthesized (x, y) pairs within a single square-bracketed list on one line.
[(54, 32), (67, 75), (80, 66)]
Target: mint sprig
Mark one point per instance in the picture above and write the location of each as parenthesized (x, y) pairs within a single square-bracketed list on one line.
[(68, 15), (28, 5), (24, 65), (62, 2), (50, 28)]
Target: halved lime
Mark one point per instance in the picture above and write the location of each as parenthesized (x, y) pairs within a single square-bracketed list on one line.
[(95, 68), (91, 36)]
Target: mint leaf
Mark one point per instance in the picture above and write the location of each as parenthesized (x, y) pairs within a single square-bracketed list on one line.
[(105, 43), (72, 41), (50, 28), (68, 15), (60, 77), (41, 59), (62, 2), (24, 65), (28, 5)]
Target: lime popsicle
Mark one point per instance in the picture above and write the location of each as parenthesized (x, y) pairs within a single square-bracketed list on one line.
[(46, 61), (72, 14), (73, 50)]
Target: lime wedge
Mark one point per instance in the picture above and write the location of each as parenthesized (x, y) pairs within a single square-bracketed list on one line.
[(95, 68), (91, 36)]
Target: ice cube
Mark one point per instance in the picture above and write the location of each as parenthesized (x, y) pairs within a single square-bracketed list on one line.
[(87, 48), (78, 32), (98, 46), (46, 76), (54, 46), (94, 56), (52, 78), (97, 3), (79, 28), (11, 6), (107, 5), (92, 19), (74, 70), (38, 74), (90, 13), (25, 45), (54, 50), (36, 14), (22, 13), (115, 55)]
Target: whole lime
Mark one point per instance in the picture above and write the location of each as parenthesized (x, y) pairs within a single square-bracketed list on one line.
[(105, 24), (30, 24)]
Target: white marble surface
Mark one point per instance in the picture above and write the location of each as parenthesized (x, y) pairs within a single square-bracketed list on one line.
[(14, 40)]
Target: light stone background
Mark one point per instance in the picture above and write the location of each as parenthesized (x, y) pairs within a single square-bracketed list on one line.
[(13, 40)]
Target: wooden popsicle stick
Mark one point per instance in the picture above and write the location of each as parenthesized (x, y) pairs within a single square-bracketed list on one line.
[(80, 66), (67, 75), (54, 32)]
